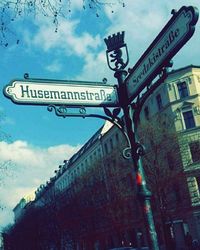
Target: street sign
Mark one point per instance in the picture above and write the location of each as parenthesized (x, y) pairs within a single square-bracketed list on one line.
[(71, 93), (170, 40)]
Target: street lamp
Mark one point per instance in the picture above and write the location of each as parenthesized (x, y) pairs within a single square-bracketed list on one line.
[(115, 48)]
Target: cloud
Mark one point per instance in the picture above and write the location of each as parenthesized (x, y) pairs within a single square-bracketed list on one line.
[(55, 67), (30, 166), (95, 68), (142, 21), (66, 39)]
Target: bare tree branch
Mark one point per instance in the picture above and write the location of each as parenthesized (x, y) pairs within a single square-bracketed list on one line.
[(11, 11)]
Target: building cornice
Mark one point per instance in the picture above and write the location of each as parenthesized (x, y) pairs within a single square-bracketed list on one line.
[(183, 68)]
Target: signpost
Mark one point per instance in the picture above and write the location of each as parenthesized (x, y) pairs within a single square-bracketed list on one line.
[(170, 40), (41, 92), (152, 63)]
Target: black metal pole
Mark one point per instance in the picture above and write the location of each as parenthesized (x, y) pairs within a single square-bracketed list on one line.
[(136, 151)]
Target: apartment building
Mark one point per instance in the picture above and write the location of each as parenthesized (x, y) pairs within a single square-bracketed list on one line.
[(178, 99), (93, 194)]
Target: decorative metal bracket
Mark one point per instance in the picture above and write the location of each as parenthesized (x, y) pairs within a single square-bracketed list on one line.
[(140, 150), (111, 116)]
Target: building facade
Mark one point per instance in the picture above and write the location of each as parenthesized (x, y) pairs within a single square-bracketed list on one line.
[(178, 99)]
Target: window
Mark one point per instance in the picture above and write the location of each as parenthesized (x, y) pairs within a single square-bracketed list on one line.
[(176, 193), (99, 152), (111, 144), (159, 101), (170, 160), (106, 148), (91, 159), (182, 89), (189, 119), (198, 182), (146, 112), (117, 137), (195, 150), (95, 156)]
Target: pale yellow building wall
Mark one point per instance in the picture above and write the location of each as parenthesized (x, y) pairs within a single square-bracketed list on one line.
[(172, 104)]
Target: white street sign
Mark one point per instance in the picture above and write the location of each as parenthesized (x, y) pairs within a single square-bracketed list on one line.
[(71, 93), (170, 40)]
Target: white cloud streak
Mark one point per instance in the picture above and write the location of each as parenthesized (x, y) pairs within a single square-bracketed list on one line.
[(141, 21), (65, 39), (55, 67), (31, 166)]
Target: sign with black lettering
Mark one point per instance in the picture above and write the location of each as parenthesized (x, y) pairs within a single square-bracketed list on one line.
[(71, 93), (170, 40)]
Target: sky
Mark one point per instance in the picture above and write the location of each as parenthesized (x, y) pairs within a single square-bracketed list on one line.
[(34, 142)]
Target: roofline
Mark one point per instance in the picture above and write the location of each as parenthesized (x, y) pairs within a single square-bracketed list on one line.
[(183, 68), (98, 132)]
